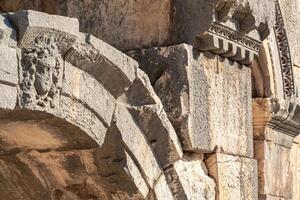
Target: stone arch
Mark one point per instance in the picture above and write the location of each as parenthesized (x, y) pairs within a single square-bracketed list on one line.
[(56, 74)]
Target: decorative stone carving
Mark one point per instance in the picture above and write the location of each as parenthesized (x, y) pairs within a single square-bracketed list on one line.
[(233, 33), (41, 73), (284, 53)]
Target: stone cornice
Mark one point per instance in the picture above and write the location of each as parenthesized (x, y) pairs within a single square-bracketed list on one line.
[(268, 113)]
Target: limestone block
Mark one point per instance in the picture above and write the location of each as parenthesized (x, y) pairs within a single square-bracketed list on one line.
[(274, 169), (82, 86), (105, 63), (162, 190), (205, 97), (236, 177), (8, 35), (8, 65), (8, 96), (30, 24), (119, 169), (147, 110), (137, 144), (80, 115), (188, 180)]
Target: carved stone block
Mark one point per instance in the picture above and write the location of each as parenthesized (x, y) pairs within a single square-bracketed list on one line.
[(236, 177), (41, 74), (205, 97), (107, 64), (188, 180), (137, 144), (31, 23), (147, 110), (83, 87), (81, 116), (228, 43)]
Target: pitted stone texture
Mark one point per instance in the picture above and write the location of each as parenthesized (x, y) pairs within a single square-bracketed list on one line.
[(273, 157), (205, 97), (108, 65), (82, 86), (147, 110), (81, 116), (30, 24), (236, 177), (8, 35), (188, 180), (8, 65), (8, 96), (137, 144)]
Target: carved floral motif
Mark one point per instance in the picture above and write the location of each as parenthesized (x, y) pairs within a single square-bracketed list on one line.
[(284, 53), (41, 72)]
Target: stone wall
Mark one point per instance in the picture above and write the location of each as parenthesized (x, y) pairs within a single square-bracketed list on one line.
[(153, 100)]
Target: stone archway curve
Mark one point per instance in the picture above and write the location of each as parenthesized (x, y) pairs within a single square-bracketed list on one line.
[(54, 72)]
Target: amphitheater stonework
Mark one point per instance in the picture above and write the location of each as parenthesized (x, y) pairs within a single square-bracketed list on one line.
[(149, 99)]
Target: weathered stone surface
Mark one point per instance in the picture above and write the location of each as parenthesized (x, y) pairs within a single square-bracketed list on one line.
[(188, 179), (8, 96), (83, 87), (274, 167), (147, 110), (62, 136), (137, 144), (80, 115), (106, 64), (162, 190), (236, 177), (8, 65), (30, 24), (8, 35), (123, 24), (119, 169), (199, 93)]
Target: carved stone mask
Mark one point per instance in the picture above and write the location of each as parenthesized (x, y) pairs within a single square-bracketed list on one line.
[(44, 75)]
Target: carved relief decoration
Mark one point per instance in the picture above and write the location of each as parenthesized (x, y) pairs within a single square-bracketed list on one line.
[(234, 36), (284, 53), (41, 73)]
